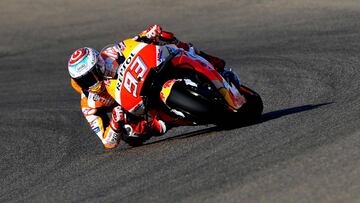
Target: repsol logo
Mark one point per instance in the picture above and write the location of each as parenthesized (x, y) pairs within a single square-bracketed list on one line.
[(122, 69)]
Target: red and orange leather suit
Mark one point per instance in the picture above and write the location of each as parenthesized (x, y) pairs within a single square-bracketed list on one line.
[(96, 106)]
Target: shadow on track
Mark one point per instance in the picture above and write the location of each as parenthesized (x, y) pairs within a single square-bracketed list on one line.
[(264, 118), (277, 114)]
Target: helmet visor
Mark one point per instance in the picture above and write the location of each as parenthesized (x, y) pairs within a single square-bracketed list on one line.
[(91, 78)]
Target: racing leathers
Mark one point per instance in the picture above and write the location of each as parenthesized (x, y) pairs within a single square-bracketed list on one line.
[(97, 104), (123, 125)]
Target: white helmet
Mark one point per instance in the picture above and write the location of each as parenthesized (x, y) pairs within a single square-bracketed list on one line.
[(86, 67)]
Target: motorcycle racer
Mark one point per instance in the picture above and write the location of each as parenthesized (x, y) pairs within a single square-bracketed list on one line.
[(90, 72)]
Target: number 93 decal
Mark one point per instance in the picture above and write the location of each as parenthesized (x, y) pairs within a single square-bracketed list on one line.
[(136, 71)]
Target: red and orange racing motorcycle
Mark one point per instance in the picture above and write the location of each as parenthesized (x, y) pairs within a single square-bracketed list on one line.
[(180, 88)]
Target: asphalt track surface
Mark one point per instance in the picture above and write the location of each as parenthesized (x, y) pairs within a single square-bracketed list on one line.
[(301, 56)]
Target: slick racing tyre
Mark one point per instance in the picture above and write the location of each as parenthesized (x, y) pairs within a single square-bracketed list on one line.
[(253, 108)]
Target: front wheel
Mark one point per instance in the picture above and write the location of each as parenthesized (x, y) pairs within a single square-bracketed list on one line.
[(251, 111)]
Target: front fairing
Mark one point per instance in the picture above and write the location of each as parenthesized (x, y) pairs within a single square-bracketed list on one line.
[(126, 88)]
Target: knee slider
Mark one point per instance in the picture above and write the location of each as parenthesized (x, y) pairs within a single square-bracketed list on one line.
[(111, 138)]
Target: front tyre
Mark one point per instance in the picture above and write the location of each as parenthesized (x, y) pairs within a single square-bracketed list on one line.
[(251, 111)]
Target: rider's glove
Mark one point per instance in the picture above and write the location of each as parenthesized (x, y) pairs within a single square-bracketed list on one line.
[(153, 32)]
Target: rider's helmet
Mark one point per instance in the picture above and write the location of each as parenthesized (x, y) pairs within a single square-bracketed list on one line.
[(86, 68)]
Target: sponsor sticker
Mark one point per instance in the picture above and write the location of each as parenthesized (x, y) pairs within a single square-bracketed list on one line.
[(89, 111), (96, 130), (96, 97), (122, 46)]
